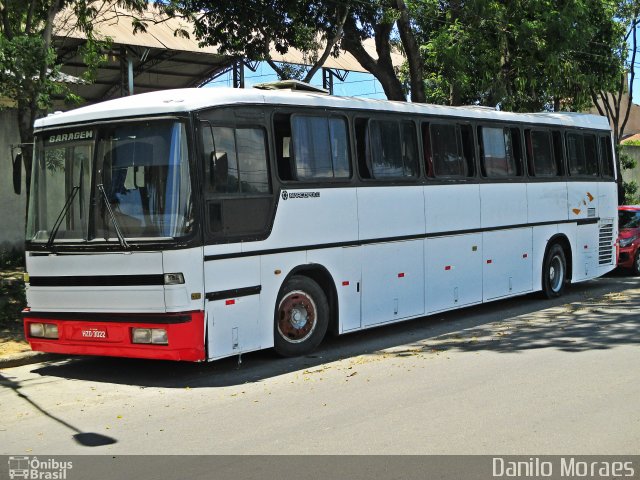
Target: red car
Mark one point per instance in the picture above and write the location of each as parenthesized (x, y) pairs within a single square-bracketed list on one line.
[(629, 238)]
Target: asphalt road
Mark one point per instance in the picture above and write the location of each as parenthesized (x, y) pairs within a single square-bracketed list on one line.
[(521, 376)]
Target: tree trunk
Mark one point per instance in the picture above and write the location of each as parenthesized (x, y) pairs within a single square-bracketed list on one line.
[(382, 68), (412, 51)]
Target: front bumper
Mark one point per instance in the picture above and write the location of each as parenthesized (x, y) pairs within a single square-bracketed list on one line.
[(185, 333), (626, 255)]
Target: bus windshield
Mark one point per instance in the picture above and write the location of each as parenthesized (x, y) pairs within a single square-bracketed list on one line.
[(629, 219), (127, 179)]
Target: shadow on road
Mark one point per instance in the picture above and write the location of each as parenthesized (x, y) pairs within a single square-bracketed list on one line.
[(86, 439), (599, 314)]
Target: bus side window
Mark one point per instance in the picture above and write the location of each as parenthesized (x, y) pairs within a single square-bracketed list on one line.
[(582, 154), (236, 160), (468, 149), (540, 154), (500, 152), (363, 148), (446, 151), (282, 129), (516, 150), (321, 147), (224, 161), (575, 154), (394, 149), (426, 147), (606, 158), (207, 148), (558, 151), (591, 152)]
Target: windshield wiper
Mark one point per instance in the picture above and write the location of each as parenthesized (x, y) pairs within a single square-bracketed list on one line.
[(63, 213), (121, 239)]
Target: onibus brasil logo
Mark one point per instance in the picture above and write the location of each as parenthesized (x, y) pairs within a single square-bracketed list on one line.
[(37, 469)]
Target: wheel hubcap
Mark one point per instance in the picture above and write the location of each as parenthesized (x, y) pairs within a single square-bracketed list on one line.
[(296, 317), (556, 273)]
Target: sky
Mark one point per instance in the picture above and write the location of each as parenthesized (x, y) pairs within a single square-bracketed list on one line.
[(356, 84)]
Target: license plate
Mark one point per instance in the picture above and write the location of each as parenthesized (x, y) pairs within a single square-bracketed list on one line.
[(93, 333)]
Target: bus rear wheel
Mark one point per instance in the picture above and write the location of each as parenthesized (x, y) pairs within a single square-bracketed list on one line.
[(554, 272), (302, 317)]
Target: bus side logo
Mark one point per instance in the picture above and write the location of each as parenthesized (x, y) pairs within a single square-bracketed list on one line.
[(287, 195)]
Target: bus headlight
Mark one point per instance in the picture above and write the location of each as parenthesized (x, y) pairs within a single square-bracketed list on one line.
[(43, 330), (157, 336), (625, 242)]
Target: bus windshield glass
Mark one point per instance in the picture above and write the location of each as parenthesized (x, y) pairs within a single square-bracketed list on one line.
[(126, 179)]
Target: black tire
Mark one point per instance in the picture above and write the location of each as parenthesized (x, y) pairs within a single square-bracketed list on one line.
[(301, 317), (554, 272), (635, 269)]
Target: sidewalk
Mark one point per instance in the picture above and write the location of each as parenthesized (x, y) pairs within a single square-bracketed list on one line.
[(15, 351), (26, 358)]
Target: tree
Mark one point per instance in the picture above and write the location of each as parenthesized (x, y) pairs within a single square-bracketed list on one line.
[(615, 101), (251, 28), (523, 55), (29, 67)]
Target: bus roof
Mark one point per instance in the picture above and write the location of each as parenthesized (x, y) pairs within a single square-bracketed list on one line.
[(190, 99)]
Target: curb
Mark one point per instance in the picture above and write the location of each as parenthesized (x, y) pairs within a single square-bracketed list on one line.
[(27, 358)]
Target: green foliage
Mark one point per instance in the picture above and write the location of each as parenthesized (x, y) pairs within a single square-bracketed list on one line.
[(12, 301), (290, 71), (249, 27), (29, 66), (523, 55), (11, 259), (27, 70), (630, 189), (627, 162)]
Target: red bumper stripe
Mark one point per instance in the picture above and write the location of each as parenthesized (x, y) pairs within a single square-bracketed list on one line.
[(86, 337)]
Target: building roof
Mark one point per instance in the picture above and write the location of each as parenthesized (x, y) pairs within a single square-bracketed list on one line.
[(631, 138), (161, 59), (186, 100)]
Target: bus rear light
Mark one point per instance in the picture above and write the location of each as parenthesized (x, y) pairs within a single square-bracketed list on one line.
[(173, 279), (157, 336), (43, 330)]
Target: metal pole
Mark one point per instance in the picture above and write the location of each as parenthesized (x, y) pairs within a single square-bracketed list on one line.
[(130, 73)]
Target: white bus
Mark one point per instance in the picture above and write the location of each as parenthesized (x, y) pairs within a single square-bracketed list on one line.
[(203, 223)]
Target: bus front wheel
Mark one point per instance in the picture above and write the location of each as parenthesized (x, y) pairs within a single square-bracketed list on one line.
[(554, 272), (302, 317)]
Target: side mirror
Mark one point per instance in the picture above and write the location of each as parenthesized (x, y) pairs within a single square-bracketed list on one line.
[(17, 174)]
